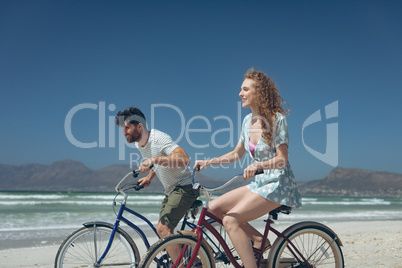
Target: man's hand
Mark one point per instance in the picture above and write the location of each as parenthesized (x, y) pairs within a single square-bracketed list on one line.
[(145, 182), (145, 166)]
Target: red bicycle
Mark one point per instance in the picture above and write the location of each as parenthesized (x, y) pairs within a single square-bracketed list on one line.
[(304, 244)]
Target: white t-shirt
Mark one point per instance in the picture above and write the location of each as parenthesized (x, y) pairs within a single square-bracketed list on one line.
[(161, 144)]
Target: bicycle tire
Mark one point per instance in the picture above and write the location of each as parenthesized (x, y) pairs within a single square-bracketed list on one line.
[(80, 249), (316, 242), (221, 258), (158, 256)]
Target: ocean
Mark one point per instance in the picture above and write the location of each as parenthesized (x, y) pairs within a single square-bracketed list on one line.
[(40, 218)]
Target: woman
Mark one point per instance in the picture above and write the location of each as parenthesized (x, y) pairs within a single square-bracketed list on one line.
[(265, 138)]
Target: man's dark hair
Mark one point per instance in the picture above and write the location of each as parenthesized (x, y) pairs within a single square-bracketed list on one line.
[(133, 115)]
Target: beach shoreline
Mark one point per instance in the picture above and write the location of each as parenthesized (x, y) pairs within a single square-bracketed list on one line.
[(365, 244)]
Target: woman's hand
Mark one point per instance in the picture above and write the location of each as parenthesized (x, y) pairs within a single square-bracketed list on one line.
[(249, 172), (202, 164)]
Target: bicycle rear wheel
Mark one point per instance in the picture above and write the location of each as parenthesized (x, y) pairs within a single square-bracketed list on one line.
[(319, 246), (86, 245), (158, 256)]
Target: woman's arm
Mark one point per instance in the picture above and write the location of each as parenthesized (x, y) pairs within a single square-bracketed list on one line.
[(279, 161), (228, 158)]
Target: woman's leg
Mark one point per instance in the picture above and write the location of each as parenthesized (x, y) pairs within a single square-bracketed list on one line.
[(221, 205), (248, 206)]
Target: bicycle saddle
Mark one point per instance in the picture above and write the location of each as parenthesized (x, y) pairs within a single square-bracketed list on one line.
[(282, 209), (194, 208), (197, 203)]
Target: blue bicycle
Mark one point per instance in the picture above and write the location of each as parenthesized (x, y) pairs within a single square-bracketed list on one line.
[(99, 244)]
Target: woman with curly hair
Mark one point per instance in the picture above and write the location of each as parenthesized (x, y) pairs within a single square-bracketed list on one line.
[(265, 138)]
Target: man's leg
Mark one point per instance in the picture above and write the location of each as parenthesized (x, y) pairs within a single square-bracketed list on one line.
[(164, 230), (173, 209)]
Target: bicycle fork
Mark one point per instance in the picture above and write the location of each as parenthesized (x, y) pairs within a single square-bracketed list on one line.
[(292, 248), (296, 253), (198, 231), (109, 245)]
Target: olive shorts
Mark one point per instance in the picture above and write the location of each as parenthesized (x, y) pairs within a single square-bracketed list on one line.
[(176, 204)]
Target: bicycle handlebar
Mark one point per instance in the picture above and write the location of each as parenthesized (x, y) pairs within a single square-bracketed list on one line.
[(196, 185), (117, 188), (136, 186)]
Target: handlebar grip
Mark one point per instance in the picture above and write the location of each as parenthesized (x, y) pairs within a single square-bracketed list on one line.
[(138, 187), (137, 171), (259, 171)]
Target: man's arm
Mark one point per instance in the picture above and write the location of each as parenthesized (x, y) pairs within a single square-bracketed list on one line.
[(178, 158), (146, 181)]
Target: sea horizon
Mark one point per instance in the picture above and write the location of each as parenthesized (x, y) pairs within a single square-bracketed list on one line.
[(39, 218)]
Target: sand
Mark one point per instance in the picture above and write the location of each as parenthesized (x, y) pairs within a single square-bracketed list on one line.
[(365, 244)]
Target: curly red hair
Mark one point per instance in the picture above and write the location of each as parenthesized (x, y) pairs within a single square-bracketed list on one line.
[(268, 101)]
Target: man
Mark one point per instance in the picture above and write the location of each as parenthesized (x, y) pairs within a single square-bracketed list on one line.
[(170, 163)]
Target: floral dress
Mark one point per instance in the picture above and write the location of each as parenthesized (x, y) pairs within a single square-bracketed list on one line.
[(276, 185)]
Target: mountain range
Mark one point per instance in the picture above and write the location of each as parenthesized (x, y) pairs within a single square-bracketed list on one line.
[(72, 176), (354, 182)]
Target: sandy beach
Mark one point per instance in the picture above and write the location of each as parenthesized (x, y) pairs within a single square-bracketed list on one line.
[(365, 244)]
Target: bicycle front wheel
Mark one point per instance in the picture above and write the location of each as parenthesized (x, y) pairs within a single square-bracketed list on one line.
[(317, 245), (84, 247), (166, 251)]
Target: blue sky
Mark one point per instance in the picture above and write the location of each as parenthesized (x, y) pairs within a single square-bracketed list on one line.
[(182, 63)]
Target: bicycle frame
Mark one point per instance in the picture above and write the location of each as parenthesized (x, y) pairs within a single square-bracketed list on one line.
[(121, 218), (203, 222), (128, 222)]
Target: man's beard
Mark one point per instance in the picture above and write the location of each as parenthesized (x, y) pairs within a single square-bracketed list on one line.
[(135, 137)]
